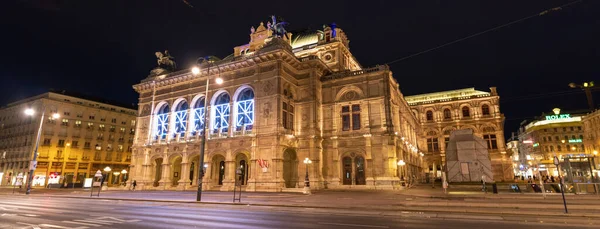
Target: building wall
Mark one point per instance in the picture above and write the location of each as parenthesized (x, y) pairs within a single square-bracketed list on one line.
[(67, 144), (591, 135), (365, 155), (437, 126)]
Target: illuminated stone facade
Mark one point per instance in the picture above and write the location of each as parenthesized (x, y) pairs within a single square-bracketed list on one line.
[(554, 133), (591, 136), (282, 100), (440, 113), (88, 136)]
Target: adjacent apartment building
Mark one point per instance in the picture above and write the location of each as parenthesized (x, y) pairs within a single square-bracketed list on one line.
[(78, 137), (440, 113)]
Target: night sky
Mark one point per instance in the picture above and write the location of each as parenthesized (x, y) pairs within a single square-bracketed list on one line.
[(102, 47)]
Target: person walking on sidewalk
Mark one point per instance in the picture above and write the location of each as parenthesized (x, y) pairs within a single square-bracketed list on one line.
[(133, 184)]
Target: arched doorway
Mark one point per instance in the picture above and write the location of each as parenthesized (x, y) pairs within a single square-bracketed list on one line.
[(353, 170), (347, 166), (157, 170), (242, 163), (176, 170), (290, 168), (193, 175), (218, 169)]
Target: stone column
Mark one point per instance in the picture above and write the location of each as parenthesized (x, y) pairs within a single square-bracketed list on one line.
[(184, 180), (370, 170)]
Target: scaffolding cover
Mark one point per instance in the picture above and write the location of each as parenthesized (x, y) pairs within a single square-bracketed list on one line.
[(467, 158)]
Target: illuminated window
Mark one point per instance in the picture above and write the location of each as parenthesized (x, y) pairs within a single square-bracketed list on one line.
[(466, 112), (221, 113), (198, 115), (181, 115), (429, 115), (447, 114), (245, 109), (485, 109), (162, 122)]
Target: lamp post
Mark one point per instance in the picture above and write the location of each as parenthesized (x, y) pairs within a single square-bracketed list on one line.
[(306, 180), (587, 87), (401, 165), (209, 61), (124, 172), (33, 163)]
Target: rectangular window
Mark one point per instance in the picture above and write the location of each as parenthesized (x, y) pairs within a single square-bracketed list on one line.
[(61, 142), (559, 148), (86, 145), (122, 129), (77, 123), (112, 129), (287, 116), (79, 115), (579, 128), (46, 141), (432, 145), (491, 141), (564, 129), (446, 141), (132, 122), (551, 148), (66, 113), (284, 115), (92, 117), (555, 130), (65, 122), (74, 144), (59, 153), (351, 117), (114, 120)]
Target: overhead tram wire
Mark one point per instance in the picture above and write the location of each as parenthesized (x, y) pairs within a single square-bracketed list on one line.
[(486, 31)]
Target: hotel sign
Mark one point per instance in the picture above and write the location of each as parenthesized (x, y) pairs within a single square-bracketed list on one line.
[(558, 116), (574, 140)]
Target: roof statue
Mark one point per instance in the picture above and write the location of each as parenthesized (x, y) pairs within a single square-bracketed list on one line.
[(165, 60), (165, 64), (278, 28)]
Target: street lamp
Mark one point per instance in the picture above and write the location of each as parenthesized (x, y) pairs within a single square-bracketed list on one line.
[(107, 170), (209, 60), (401, 163), (306, 180), (124, 172), (587, 87), (33, 164)]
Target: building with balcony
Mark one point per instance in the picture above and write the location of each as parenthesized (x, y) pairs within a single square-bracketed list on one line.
[(440, 113), (591, 137), (87, 136), (283, 99)]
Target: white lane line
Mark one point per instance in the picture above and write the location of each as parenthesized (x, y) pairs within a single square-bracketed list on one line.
[(94, 221), (353, 225), (86, 224), (33, 226), (120, 220), (30, 215), (56, 226)]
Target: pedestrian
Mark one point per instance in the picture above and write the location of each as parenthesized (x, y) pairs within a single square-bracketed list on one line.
[(445, 186), (552, 179), (133, 185), (483, 183)]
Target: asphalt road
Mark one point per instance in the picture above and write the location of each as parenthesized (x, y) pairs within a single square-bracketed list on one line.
[(47, 212)]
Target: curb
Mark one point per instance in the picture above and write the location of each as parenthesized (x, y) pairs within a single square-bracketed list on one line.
[(402, 208)]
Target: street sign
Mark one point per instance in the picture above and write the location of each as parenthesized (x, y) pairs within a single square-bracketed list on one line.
[(32, 165), (556, 162)]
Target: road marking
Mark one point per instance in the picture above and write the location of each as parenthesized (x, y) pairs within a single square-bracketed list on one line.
[(120, 220), (31, 225), (4, 214), (353, 225), (86, 224), (30, 215), (55, 226), (8, 209), (93, 221)]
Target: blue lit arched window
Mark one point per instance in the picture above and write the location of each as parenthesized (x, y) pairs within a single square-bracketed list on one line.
[(198, 113), (181, 115), (162, 122), (221, 118), (245, 109)]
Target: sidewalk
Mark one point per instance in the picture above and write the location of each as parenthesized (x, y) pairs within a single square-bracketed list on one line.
[(418, 199)]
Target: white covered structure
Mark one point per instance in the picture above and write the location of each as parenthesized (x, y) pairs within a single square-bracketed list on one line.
[(467, 158)]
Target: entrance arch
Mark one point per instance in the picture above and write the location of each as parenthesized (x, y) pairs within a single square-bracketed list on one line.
[(157, 171), (290, 168), (241, 161), (353, 170), (218, 169), (176, 170)]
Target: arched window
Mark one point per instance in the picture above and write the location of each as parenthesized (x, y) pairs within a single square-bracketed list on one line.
[(429, 115), (221, 115), (466, 112), (198, 116), (485, 109), (245, 110), (181, 115), (447, 114), (162, 122)]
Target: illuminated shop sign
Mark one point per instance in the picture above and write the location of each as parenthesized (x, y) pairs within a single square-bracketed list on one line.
[(574, 140), (558, 116), (536, 144)]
